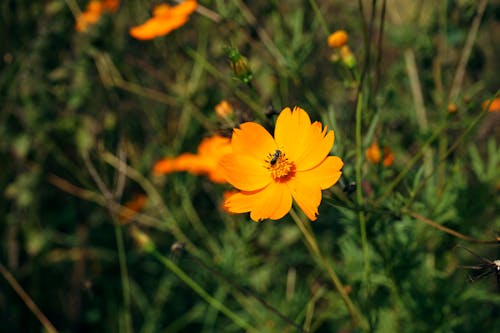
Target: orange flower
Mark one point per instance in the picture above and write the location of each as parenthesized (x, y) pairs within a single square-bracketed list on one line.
[(210, 151), (338, 39), (93, 12), (111, 5), (223, 109), (269, 171), (132, 207), (374, 155), (165, 19), (388, 157), (495, 105)]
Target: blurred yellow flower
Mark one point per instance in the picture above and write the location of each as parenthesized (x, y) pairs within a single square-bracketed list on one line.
[(93, 12), (374, 155), (132, 207), (223, 109), (452, 108), (210, 151), (165, 19), (495, 105), (269, 171), (338, 39)]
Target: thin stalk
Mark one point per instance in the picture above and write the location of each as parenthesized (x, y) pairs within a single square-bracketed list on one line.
[(201, 292), (123, 275), (356, 318), (320, 17), (27, 300), (466, 52), (458, 142), (155, 197), (359, 188)]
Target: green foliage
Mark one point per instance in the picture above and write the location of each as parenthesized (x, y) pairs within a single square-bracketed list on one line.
[(85, 116)]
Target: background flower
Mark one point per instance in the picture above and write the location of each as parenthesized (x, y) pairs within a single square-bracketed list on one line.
[(210, 151), (165, 19)]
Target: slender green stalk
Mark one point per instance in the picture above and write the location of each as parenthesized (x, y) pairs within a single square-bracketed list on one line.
[(359, 188), (455, 145), (154, 196), (357, 319), (200, 291), (123, 275), (320, 17), (27, 300)]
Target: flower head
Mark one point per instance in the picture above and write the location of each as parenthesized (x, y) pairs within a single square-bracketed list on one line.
[(93, 12), (374, 155), (269, 171), (165, 19), (338, 39), (210, 151), (494, 106), (132, 207), (223, 109)]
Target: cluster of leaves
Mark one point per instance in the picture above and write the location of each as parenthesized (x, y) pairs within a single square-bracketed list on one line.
[(76, 106)]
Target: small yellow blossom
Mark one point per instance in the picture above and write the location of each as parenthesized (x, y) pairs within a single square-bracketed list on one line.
[(132, 207), (223, 109), (374, 155), (338, 39)]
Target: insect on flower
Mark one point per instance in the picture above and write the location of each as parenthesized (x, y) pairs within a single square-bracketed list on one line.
[(485, 268), (271, 172), (275, 157)]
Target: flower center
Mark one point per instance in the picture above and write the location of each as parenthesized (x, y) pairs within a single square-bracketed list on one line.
[(279, 166)]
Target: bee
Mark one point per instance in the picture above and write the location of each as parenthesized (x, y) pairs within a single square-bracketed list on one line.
[(484, 268), (275, 157)]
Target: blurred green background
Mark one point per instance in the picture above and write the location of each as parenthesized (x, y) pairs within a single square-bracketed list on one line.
[(73, 104)]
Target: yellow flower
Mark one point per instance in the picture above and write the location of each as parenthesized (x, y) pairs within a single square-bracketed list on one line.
[(388, 157), (338, 39), (165, 19), (210, 151), (93, 12), (223, 109), (269, 171), (495, 105), (374, 155), (132, 207)]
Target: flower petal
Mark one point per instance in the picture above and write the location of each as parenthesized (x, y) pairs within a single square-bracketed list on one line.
[(253, 139), (306, 195), (292, 131), (325, 175), (319, 143), (185, 8), (244, 172), (273, 202)]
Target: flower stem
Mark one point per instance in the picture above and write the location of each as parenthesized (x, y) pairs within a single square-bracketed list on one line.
[(124, 275), (200, 291), (312, 244), (359, 188)]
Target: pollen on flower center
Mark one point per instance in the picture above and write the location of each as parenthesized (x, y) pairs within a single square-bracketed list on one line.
[(279, 166)]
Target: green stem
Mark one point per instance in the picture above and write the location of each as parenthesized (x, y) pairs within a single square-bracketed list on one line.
[(123, 275), (320, 17), (357, 319), (200, 291), (359, 188)]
